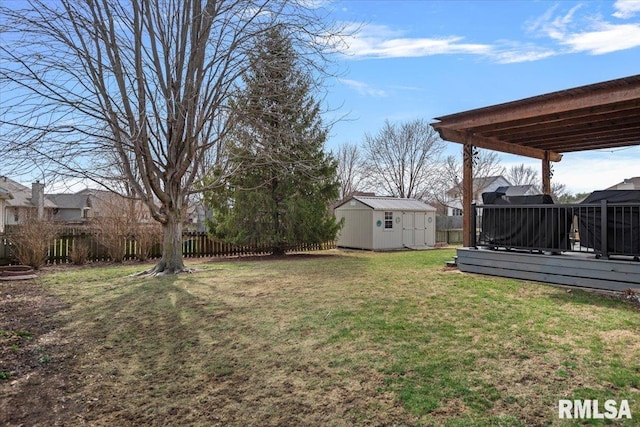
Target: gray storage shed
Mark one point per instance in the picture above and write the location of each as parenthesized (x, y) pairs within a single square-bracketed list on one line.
[(386, 223)]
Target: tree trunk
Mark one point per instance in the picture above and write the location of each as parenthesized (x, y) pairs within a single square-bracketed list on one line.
[(172, 261)]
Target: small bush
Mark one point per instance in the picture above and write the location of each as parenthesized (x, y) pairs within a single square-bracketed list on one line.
[(31, 240)]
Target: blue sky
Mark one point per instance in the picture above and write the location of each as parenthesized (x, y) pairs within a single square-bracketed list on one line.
[(424, 59)]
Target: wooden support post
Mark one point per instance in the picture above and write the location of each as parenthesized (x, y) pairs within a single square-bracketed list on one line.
[(546, 174), (467, 194)]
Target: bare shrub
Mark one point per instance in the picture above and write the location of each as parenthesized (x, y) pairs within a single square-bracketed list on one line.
[(113, 232), (31, 240), (121, 220), (79, 252), (146, 236)]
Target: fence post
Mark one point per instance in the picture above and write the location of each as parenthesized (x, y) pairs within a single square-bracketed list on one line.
[(603, 229), (473, 226)]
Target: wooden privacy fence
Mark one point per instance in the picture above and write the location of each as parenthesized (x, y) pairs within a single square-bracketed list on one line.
[(194, 245), (450, 236)]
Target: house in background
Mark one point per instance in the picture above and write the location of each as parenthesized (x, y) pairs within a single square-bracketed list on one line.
[(71, 208), (627, 184), (90, 204), (196, 217), (4, 195), (18, 202), (24, 201), (386, 223), (489, 184), (518, 190), (480, 185)]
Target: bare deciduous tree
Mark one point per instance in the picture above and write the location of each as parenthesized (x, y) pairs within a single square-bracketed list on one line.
[(350, 169), (526, 175), (148, 80), (402, 159), (522, 175), (559, 193), (449, 184)]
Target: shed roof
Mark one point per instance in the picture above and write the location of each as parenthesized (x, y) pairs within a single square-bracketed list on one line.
[(602, 115), (392, 203)]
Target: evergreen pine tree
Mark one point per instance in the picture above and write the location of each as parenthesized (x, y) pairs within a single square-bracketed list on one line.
[(284, 181)]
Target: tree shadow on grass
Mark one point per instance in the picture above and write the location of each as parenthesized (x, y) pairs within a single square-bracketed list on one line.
[(595, 298), (143, 351)]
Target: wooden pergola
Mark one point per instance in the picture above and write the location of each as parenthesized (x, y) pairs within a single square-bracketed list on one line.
[(599, 116)]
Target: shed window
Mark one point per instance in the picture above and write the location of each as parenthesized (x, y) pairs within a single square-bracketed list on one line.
[(388, 220)]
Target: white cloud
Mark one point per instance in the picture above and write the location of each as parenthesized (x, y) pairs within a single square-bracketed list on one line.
[(608, 38), (570, 31), (380, 41), (510, 52), (626, 8), (553, 26), (363, 88), (314, 4), (588, 34)]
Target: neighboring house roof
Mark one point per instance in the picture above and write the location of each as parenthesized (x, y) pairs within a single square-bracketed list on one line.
[(392, 203), (627, 184), (69, 201), (5, 194), (21, 194), (518, 190), (478, 184)]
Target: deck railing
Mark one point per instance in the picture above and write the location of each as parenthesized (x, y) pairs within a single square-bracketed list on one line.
[(604, 229)]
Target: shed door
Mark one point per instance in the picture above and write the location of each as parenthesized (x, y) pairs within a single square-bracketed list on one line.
[(407, 229), (419, 233), (414, 233)]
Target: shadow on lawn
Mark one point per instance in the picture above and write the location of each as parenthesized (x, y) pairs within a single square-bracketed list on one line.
[(294, 256), (144, 350), (595, 298)]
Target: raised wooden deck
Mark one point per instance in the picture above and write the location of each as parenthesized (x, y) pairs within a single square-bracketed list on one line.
[(577, 269)]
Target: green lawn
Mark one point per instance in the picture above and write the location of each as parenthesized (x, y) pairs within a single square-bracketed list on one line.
[(340, 339)]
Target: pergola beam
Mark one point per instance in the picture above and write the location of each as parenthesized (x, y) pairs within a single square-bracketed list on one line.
[(495, 144), (594, 96), (599, 113)]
